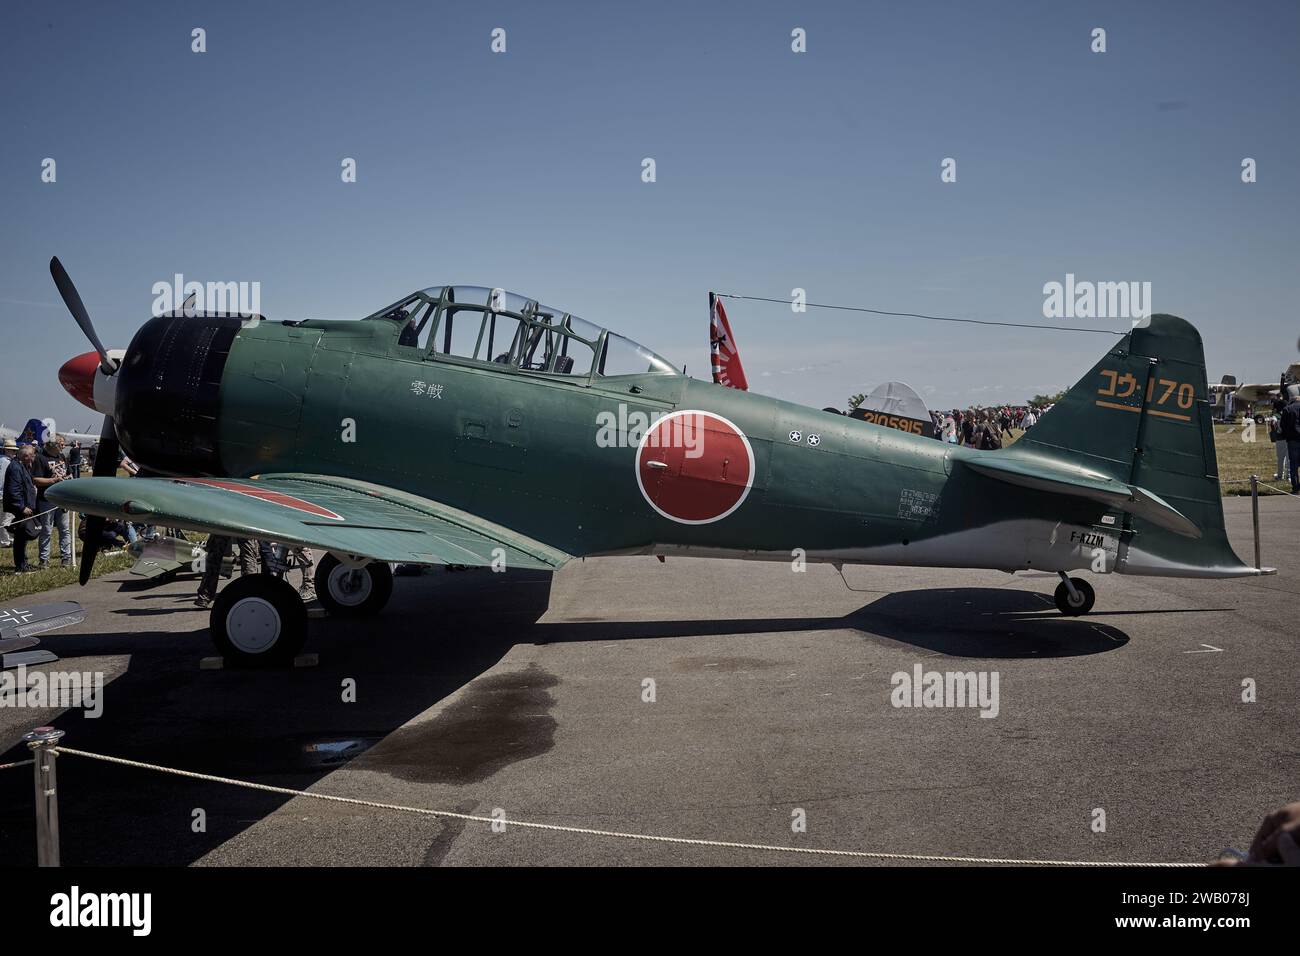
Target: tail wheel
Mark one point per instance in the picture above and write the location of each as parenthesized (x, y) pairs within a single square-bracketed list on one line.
[(348, 591), (258, 621), (1079, 603)]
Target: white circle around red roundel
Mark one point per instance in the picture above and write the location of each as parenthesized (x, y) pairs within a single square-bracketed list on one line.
[(694, 467)]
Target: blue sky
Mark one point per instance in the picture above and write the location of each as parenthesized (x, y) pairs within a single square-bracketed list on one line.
[(775, 170)]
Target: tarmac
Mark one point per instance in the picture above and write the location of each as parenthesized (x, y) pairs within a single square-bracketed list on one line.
[(711, 700)]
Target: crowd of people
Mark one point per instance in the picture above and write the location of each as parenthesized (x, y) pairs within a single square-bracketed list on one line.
[(984, 427), (32, 464), (39, 459)]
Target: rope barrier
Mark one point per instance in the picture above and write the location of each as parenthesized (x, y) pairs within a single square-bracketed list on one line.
[(1262, 484), (614, 834), (39, 514), (1280, 491), (19, 763)]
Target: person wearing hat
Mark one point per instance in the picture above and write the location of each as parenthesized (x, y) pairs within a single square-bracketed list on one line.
[(10, 450)]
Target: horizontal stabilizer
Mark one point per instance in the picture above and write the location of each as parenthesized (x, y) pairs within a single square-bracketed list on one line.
[(1080, 483)]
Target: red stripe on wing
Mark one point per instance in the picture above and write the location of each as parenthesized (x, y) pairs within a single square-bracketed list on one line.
[(266, 494)]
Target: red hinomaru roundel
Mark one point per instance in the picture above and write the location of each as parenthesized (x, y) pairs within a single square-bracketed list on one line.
[(694, 467)]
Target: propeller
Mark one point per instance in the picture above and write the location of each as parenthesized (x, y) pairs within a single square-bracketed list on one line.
[(78, 378), (72, 299), (105, 466)]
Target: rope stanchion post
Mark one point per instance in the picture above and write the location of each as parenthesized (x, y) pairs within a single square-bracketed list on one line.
[(42, 742), (1254, 514)]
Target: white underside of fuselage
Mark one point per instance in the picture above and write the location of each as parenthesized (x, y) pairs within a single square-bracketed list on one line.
[(1014, 545)]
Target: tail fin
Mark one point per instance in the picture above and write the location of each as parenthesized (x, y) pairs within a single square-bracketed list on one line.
[(1142, 416)]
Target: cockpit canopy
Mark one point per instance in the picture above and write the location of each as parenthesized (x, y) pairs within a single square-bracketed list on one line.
[(503, 328)]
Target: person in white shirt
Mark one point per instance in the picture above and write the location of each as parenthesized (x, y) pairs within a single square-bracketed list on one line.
[(949, 430)]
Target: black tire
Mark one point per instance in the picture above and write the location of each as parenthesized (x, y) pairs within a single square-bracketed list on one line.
[(1072, 609), (355, 592), (258, 620)]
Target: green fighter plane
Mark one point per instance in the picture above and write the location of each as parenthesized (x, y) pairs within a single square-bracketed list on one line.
[(541, 438)]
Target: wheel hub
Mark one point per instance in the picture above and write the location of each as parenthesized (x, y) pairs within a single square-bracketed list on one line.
[(253, 625), (349, 586)]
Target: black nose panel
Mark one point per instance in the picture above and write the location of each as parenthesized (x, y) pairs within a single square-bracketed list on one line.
[(168, 393)]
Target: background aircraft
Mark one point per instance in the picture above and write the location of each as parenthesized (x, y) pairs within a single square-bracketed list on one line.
[(19, 627), (545, 438), (86, 438), (1248, 396)]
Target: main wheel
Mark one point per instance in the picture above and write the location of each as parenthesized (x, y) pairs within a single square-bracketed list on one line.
[(350, 591), (1074, 606), (258, 620)]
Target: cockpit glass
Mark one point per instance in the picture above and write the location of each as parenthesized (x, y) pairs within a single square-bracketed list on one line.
[(476, 324), (497, 299), (624, 357), (582, 328)]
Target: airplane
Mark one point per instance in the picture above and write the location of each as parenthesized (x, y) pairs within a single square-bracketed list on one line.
[(1250, 395), (896, 405), (546, 438), (86, 438), (165, 555), (20, 625), (1222, 397)]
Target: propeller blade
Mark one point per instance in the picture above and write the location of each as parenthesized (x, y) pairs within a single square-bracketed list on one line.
[(105, 467), (72, 299), (94, 528), (108, 453)]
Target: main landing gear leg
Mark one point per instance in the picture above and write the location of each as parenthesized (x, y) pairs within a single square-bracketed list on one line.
[(1074, 596)]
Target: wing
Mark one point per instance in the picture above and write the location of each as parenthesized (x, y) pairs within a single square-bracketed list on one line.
[(1254, 393), (18, 622), (316, 511)]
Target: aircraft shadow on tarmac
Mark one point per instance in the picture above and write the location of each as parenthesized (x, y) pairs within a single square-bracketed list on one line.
[(961, 622), (291, 728)]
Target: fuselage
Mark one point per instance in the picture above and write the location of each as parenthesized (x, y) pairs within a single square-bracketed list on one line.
[(573, 461)]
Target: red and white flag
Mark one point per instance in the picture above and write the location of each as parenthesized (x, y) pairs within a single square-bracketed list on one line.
[(727, 369)]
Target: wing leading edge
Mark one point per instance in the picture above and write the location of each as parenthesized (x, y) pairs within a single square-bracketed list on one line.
[(316, 511)]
